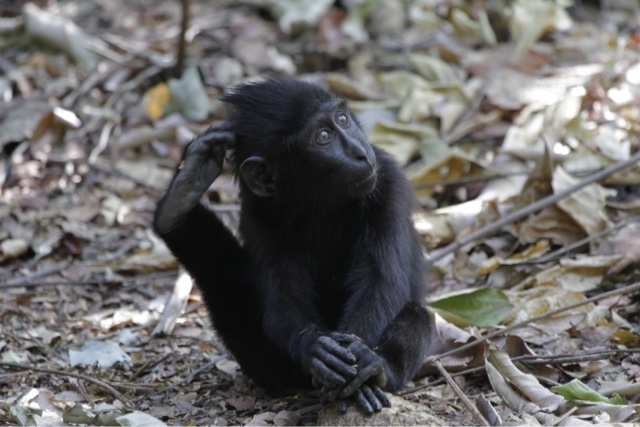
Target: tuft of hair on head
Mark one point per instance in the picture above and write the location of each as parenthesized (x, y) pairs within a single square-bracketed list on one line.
[(278, 106), (266, 113)]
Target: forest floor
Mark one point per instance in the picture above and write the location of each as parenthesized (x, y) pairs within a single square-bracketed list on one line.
[(501, 112)]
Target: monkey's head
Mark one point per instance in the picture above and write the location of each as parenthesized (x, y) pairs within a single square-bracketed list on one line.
[(294, 137)]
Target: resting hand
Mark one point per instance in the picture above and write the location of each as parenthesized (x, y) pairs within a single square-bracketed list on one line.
[(365, 387), (332, 363)]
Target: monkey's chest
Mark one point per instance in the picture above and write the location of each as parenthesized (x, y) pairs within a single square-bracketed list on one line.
[(330, 285)]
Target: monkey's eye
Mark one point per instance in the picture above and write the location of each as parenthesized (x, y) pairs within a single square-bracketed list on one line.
[(324, 136), (341, 119)]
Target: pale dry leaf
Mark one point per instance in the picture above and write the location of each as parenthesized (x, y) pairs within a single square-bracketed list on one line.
[(104, 354), (139, 419), (578, 275), (519, 403), (540, 248), (624, 243), (228, 366), (419, 105), (242, 403), (146, 262), (13, 248), (146, 171), (550, 223), (526, 384), (436, 71), (402, 141), (454, 164), (175, 305), (142, 135), (263, 419), (295, 16), (587, 205), (530, 19), (286, 418), (434, 226), (62, 34), (540, 297), (350, 88), (402, 83), (471, 31)]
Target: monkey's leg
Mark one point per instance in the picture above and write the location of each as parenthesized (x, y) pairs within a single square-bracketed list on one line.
[(219, 265)]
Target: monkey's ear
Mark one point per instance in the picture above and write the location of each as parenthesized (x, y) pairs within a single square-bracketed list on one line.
[(256, 173)]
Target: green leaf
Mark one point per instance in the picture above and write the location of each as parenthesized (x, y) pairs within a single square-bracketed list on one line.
[(483, 307), (577, 390)]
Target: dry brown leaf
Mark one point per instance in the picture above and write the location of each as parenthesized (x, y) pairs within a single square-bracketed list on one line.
[(587, 205)]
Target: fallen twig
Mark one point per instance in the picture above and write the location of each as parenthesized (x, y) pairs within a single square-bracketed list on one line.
[(529, 209), (463, 397), (23, 281), (560, 251), (29, 280), (532, 359), (88, 378)]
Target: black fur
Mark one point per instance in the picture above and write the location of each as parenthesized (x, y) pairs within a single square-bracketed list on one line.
[(323, 254)]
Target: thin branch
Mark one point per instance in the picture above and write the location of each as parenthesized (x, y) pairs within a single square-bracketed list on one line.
[(531, 359), (88, 378), (625, 290), (568, 248), (182, 40), (23, 281), (463, 397), (123, 280), (529, 209), (562, 359), (467, 180)]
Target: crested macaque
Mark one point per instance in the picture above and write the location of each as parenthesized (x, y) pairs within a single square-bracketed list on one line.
[(324, 286)]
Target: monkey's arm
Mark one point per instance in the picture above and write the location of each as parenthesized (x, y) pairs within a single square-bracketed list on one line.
[(293, 323), (389, 279), (394, 328)]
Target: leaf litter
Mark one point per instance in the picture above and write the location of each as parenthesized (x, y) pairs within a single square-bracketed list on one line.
[(491, 107)]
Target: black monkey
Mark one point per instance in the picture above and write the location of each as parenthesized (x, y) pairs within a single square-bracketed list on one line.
[(326, 286)]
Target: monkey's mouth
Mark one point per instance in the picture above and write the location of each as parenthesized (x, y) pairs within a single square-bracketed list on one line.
[(366, 184)]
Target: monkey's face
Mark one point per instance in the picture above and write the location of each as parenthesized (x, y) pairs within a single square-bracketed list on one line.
[(297, 143), (337, 152)]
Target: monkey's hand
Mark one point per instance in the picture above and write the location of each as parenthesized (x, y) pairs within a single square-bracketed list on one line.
[(200, 166), (332, 363), (365, 388)]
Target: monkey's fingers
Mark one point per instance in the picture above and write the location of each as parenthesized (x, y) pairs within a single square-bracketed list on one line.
[(382, 396), (330, 394), (329, 346), (221, 135), (362, 377), (337, 364), (371, 399), (343, 339), (363, 402), (323, 375)]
